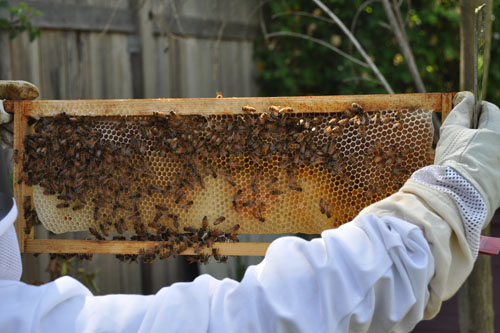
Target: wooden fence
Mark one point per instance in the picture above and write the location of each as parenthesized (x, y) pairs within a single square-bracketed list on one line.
[(136, 49)]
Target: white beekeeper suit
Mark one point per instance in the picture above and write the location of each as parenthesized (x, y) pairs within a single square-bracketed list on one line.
[(385, 271)]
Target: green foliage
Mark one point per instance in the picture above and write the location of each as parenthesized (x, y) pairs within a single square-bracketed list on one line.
[(292, 66), (17, 20), (87, 278)]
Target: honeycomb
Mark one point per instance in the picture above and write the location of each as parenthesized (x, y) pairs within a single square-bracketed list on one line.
[(284, 173)]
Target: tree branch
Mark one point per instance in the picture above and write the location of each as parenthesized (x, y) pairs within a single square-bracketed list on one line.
[(306, 14), (404, 46), (318, 41), (356, 44)]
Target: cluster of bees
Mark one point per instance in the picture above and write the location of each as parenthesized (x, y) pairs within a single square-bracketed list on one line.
[(67, 256), (69, 158), (30, 216)]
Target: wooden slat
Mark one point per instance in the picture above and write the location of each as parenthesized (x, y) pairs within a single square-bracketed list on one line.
[(20, 127), (208, 106), (203, 28), (133, 247), (447, 105), (85, 17), (66, 16)]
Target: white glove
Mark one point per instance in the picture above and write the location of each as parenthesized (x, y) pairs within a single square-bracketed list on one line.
[(432, 200), (474, 153)]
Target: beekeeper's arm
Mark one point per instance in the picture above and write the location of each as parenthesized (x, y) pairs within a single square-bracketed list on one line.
[(377, 273)]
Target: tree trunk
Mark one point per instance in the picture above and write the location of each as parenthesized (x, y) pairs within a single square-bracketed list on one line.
[(475, 297)]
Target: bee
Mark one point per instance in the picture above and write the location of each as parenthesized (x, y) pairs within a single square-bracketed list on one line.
[(236, 207), (274, 111), (249, 109), (77, 206), (397, 125), (120, 226), (62, 205), (343, 122), (179, 196), (295, 187), (187, 204), (219, 220), (387, 119), (259, 217), (230, 180), (272, 181), (160, 207), (322, 206), (262, 118), (235, 228), (237, 194), (285, 109), (301, 136), (276, 192), (175, 220), (328, 211), (249, 203), (332, 147), (218, 94), (96, 234)]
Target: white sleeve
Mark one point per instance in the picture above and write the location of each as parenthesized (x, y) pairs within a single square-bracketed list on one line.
[(368, 275)]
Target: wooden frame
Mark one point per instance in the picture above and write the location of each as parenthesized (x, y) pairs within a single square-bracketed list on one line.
[(439, 102)]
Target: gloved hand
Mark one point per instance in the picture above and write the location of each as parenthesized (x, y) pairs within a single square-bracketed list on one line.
[(474, 153), (452, 200), (18, 90), (13, 90)]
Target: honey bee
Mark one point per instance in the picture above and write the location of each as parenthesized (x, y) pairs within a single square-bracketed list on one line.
[(295, 187), (249, 109), (219, 220), (62, 205), (274, 111), (285, 109), (249, 203), (237, 194), (328, 211), (218, 94), (262, 118), (276, 192), (96, 234), (343, 122), (229, 179), (272, 182), (236, 207), (397, 125), (77, 206), (160, 207), (322, 206), (187, 204), (387, 119)]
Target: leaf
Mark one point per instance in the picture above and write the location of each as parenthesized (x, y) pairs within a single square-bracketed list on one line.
[(14, 33), (4, 23), (14, 10)]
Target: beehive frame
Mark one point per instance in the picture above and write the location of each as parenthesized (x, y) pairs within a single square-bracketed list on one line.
[(438, 102)]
